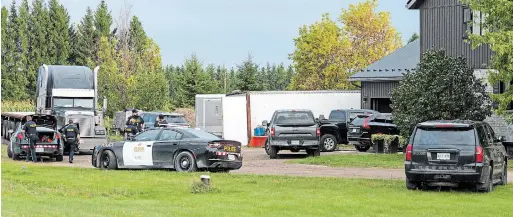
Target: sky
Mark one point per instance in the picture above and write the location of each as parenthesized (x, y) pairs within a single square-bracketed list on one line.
[(224, 32)]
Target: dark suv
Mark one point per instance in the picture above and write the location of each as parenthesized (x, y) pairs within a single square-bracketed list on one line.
[(362, 128), (448, 153), (292, 130)]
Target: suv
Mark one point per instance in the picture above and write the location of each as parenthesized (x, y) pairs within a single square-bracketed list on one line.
[(448, 153), (334, 130), (360, 130), (292, 130)]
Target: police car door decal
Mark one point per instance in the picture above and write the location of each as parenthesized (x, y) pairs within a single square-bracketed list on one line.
[(138, 153)]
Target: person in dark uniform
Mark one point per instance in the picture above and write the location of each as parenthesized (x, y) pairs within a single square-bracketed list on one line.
[(72, 138), (139, 122), (131, 128), (30, 132), (160, 121)]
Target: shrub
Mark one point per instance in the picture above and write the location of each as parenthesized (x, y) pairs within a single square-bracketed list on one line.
[(441, 88)]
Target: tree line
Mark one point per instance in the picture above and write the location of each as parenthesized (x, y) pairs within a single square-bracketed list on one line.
[(131, 70)]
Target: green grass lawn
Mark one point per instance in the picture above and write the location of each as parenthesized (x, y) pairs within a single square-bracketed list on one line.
[(388, 161), (64, 191), (391, 161)]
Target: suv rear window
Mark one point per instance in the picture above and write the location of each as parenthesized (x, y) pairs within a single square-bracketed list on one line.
[(445, 136), (294, 117)]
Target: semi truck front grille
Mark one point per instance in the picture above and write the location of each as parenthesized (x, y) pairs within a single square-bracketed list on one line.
[(86, 125)]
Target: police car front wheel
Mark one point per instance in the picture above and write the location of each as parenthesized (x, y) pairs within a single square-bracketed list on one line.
[(108, 160)]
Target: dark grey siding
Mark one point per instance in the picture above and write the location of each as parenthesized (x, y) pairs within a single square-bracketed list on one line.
[(380, 89), (441, 26)]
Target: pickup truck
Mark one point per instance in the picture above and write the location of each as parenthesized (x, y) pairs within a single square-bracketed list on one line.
[(292, 130), (334, 129), (364, 126)]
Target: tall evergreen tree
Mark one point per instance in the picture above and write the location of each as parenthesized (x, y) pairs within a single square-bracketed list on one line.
[(22, 51), (247, 75), (39, 47), (58, 34), (137, 35), (4, 37), (102, 20), (83, 42), (9, 85)]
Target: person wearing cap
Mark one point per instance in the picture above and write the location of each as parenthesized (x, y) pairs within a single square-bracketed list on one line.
[(160, 120), (72, 138), (30, 132), (139, 122)]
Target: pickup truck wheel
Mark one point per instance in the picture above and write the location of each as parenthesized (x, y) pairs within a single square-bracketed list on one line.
[(328, 143), (273, 152), (313, 152), (362, 148)]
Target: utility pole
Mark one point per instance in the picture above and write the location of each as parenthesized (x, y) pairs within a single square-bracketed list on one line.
[(225, 74)]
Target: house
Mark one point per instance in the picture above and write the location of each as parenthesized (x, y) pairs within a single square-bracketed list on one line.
[(378, 79), (443, 25)]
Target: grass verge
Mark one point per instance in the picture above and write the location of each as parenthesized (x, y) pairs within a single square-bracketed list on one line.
[(389, 161)]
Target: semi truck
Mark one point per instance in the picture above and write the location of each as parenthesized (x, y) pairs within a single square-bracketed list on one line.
[(68, 93)]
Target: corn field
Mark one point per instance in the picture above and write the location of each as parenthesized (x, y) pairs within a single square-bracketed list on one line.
[(17, 106)]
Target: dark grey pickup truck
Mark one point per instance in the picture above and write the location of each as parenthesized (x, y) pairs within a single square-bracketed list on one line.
[(292, 130)]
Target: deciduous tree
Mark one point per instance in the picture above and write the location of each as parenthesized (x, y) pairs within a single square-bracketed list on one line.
[(499, 19)]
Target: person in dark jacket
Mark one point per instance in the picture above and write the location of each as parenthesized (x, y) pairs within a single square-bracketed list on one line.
[(30, 132), (72, 138), (160, 120), (139, 122), (131, 128)]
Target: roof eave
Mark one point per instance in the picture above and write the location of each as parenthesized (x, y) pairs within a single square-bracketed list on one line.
[(413, 4), (398, 78)]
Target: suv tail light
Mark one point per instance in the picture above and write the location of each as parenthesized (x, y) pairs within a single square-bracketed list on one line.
[(479, 154), (409, 149), (272, 131), (318, 132), (57, 136), (19, 136), (365, 123)]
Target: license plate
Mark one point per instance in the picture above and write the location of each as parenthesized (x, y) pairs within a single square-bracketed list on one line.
[(442, 176), (294, 142), (443, 156), (230, 148), (354, 130), (231, 157), (40, 149)]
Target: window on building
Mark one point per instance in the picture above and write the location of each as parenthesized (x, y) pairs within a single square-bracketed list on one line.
[(473, 21)]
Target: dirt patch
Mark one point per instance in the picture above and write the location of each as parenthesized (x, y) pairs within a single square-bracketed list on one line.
[(190, 115)]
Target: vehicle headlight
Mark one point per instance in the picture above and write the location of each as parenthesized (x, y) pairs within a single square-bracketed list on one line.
[(99, 132)]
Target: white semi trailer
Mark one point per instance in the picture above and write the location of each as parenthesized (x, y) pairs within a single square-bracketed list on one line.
[(234, 116)]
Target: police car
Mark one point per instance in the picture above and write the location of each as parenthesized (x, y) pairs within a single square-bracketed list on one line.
[(180, 148)]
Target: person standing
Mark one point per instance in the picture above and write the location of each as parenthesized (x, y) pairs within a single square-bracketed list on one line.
[(131, 129), (29, 131), (139, 122), (160, 121), (72, 138)]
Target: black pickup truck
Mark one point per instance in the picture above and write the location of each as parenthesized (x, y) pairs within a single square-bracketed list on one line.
[(364, 126), (334, 129)]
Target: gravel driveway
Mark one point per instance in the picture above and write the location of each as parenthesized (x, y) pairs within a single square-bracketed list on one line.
[(256, 161)]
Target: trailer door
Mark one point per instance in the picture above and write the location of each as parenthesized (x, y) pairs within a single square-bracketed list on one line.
[(213, 115)]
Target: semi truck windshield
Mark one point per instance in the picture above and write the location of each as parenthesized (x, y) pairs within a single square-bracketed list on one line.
[(73, 102)]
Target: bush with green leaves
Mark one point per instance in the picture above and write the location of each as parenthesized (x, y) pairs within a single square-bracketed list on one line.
[(441, 88)]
